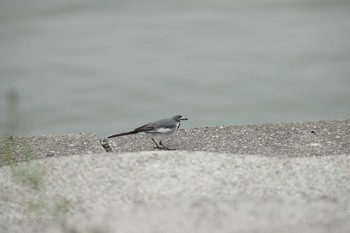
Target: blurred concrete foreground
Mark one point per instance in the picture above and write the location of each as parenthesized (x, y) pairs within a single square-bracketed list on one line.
[(285, 177)]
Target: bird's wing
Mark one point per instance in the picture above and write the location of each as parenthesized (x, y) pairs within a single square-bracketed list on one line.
[(145, 128)]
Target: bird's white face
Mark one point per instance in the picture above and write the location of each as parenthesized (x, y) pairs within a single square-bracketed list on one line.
[(183, 118), (179, 118)]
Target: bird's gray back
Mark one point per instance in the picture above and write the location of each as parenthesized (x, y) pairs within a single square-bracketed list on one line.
[(165, 123)]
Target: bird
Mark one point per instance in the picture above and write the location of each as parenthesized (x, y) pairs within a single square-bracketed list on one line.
[(159, 130)]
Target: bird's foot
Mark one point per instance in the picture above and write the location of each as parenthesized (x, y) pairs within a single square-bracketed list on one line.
[(163, 148)]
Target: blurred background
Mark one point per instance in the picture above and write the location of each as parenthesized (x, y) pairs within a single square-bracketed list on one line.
[(107, 66)]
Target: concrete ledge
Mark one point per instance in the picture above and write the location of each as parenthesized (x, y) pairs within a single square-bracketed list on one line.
[(17, 149), (176, 192), (276, 139), (291, 177)]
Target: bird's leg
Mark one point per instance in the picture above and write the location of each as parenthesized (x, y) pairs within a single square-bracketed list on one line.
[(178, 127), (164, 147), (157, 147)]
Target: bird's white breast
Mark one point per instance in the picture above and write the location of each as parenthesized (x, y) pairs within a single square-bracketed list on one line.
[(164, 130)]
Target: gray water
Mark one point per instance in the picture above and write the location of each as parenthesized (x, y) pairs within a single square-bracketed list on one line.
[(106, 66)]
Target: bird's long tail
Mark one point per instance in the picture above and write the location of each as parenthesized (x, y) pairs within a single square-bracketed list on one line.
[(122, 134)]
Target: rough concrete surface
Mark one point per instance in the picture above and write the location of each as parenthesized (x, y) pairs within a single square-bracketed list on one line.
[(16, 149), (273, 139), (291, 177), (179, 192)]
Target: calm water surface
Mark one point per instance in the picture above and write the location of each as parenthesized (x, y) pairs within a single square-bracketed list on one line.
[(109, 66)]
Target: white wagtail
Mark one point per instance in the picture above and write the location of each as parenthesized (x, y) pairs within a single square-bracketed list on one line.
[(160, 130)]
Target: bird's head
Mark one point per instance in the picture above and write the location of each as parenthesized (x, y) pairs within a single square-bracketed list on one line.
[(179, 118)]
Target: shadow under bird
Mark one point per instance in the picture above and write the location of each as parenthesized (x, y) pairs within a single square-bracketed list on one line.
[(159, 130)]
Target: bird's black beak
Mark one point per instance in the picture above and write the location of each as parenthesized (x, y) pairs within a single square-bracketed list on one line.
[(183, 119)]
